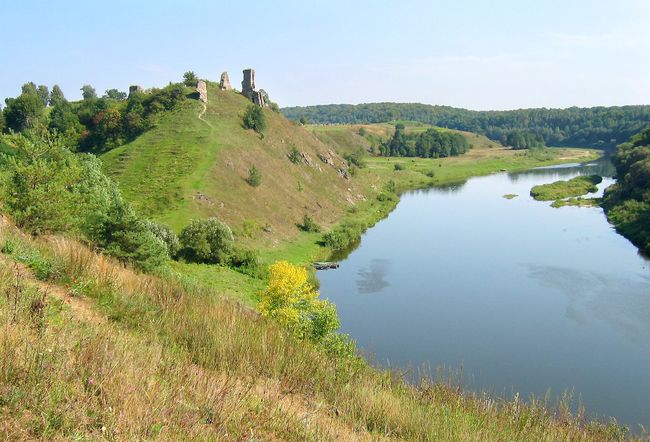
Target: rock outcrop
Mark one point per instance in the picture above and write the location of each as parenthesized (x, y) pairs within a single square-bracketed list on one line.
[(248, 88), (224, 83), (202, 89)]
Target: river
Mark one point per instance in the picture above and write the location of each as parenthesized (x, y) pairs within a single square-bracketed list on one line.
[(519, 296)]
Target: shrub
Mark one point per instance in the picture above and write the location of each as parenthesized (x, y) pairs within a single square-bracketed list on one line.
[(292, 301), (123, 235), (431, 174), (398, 167), (254, 119), (308, 224), (294, 155), (356, 158), (166, 235), (254, 176), (209, 241), (246, 261)]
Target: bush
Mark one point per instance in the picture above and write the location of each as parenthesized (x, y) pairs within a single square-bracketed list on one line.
[(254, 119), (246, 261), (431, 174), (292, 301), (209, 241), (308, 224), (343, 236), (123, 235), (356, 159), (254, 176), (294, 155), (398, 167), (166, 235)]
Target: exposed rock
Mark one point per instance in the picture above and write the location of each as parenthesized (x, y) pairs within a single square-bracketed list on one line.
[(326, 158), (135, 88), (309, 162), (224, 83), (202, 89), (344, 174)]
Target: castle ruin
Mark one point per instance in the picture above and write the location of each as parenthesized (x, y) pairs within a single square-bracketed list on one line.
[(224, 83), (135, 89), (202, 89), (248, 88)]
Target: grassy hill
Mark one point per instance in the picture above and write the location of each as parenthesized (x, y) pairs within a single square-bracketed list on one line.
[(188, 167)]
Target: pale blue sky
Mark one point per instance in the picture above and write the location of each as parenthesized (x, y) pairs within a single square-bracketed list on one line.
[(498, 54)]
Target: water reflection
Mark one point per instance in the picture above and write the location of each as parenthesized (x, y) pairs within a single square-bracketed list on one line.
[(373, 279)]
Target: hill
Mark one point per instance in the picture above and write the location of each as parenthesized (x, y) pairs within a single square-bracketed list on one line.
[(597, 127), (194, 164)]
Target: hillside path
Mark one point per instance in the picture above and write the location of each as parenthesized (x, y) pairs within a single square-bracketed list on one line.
[(200, 116)]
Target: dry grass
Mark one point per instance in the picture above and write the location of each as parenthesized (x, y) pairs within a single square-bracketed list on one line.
[(179, 362)]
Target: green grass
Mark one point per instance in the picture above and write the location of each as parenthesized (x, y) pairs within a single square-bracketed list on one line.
[(510, 196), (577, 186), (577, 202)]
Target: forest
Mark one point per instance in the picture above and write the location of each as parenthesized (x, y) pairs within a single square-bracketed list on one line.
[(627, 203), (597, 127)]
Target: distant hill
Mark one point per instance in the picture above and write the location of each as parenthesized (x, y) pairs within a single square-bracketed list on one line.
[(599, 127)]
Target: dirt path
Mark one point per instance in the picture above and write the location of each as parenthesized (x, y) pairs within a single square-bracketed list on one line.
[(200, 116), (82, 308)]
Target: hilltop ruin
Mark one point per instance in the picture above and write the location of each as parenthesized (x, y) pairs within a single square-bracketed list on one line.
[(248, 88)]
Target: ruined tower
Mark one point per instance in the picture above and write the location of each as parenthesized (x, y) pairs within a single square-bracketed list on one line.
[(248, 88), (202, 89), (224, 84), (135, 88)]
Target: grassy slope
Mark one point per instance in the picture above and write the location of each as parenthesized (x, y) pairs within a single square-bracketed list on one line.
[(186, 168)]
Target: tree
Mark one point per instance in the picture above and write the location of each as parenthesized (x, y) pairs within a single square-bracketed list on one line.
[(65, 122), (39, 180), (24, 112), (44, 94), (166, 235), (88, 92), (293, 302), (303, 120), (190, 79), (56, 96), (114, 94), (254, 176), (2, 120), (254, 119), (209, 241)]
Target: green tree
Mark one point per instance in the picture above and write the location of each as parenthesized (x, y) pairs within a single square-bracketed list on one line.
[(88, 92), (44, 94), (24, 112), (114, 94), (56, 96), (209, 241), (254, 176), (38, 183), (190, 79), (166, 235), (254, 119)]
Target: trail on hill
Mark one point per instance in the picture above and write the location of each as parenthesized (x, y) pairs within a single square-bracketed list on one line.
[(200, 116)]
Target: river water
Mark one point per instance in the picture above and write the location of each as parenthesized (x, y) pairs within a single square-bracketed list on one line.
[(519, 296)]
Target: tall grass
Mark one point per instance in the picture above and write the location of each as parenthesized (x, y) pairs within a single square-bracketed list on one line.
[(178, 360)]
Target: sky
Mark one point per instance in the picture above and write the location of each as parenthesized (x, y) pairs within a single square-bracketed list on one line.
[(476, 54)]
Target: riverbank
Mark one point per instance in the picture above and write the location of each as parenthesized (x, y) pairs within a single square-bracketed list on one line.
[(380, 173)]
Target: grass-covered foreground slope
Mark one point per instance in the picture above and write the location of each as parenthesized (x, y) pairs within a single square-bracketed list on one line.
[(92, 351), (577, 186), (190, 167)]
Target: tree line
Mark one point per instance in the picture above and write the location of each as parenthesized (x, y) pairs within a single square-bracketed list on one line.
[(627, 203), (598, 127), (93, 124), (433, 143)]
